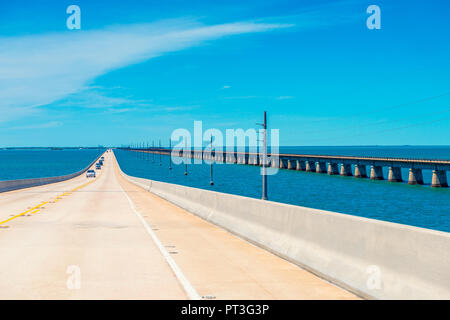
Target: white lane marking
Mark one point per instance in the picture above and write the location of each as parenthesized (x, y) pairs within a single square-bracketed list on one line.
[(192, 294)]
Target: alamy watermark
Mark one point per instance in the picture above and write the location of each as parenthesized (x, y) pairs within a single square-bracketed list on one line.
[(74, 20), (374, 20), (239, 146), (74, 280)]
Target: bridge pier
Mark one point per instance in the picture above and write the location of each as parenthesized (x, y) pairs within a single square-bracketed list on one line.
[(376, 173), (395, 174), (333, 168), (230, 158), (274, 162), (439, 179), (346, 169), (415, 176), (301, 166), (321, 167), (283, 163), (310, 166), (360, 171), (290, 165)]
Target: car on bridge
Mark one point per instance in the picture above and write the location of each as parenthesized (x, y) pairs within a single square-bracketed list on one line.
[(90, 174)]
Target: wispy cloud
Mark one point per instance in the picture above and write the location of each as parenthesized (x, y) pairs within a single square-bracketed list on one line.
[(96, 99), (284, 97), (41, 69), (51, 124)]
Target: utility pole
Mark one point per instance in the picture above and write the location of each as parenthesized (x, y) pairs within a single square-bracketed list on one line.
[(160, 161), (170, 154), (264, 160), (212, 180), (185, 158), (264, 184)]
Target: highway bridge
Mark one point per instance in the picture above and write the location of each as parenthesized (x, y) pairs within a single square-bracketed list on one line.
[(333, 165), (107, 238)]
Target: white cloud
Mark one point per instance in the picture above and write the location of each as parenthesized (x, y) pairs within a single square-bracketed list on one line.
[(51, 124), (41, 69), (93, 98), (284, 97), (226, 87)]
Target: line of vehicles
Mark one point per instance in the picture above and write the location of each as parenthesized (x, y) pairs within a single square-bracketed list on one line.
[(98, 166)]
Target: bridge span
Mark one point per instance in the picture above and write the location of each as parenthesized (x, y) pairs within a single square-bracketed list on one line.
[(333, 165), (106, 238)]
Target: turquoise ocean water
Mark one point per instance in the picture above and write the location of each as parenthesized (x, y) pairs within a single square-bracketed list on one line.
[(38, 163), (420, 206)]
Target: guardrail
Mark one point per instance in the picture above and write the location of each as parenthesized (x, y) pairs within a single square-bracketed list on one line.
[(9, 185), (374, 259)]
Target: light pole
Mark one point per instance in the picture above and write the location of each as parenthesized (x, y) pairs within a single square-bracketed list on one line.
[(212, 181), (153, 153), (170, 154), (160, 160), (185, 158), (264, 160)]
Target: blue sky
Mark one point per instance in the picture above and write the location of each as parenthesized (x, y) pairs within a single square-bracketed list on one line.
[(137, 70)]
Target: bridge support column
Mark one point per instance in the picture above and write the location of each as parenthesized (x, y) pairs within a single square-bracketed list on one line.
[(415, 176), (333, 168), (321, 167), (395, 174), (283, 163), (360, 171), (346, 169), (310, 166), (376, 173), (290, 165), (301, 166), (274, 162), (439, 179)]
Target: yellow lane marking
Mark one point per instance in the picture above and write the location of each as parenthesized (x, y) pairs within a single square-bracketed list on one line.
[(21, 214), (37, 208)]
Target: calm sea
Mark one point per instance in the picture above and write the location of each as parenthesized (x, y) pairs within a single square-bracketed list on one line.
[(38, 163), (420, 206)]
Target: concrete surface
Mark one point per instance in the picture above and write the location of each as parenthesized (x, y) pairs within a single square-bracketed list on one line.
[(373, 258), (122, 242)]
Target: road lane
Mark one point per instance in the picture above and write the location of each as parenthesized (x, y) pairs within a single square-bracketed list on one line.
[(18, 201), (129, 244), (221, 265), (93, 229)]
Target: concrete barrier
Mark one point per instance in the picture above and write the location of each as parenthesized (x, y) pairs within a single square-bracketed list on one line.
[(9, 185), (374, 259)]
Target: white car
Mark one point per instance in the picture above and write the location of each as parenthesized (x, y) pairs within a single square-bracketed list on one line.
[(90, 174)]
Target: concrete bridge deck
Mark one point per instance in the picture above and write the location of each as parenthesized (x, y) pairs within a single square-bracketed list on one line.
[(129, 244)]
